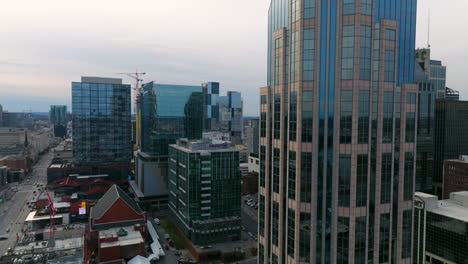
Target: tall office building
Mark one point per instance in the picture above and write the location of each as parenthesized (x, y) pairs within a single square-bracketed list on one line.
[(58, 117), (430, 76), (168, 113), (252, 136), (434, 71), (337, 132), (223, 113), (211, 110), (450, 138), (101, 122), (205, 190)]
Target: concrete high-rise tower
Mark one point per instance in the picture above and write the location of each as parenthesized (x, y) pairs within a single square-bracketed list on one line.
[(337, 132)]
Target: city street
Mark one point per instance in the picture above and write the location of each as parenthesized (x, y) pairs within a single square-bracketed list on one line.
[(249, 216), (15, 211)]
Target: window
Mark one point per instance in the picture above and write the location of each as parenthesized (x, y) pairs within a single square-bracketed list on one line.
[(409, 177), (365, 54), (291, 229), (389, 73), (360, 243), (346, 116), (366, 7), (293, 116), (304, 237), (387, 127), (295, 44), (261, 215), (363, 121), (292, 175), (278, 61), (309, 8), (361, 174), (308, 55), (263, 99), (411, 98), (347, 53), (342, 241), (263, 124), (386, 178), (344, 184), (349, 7), (295, 10), (275, 223), (307, 118), (261, 253), (390, 34), (276, 169), (306, 177), (274, 259), (407, 224), (262, 166), (277, 116), (410, 127), (384, 236)]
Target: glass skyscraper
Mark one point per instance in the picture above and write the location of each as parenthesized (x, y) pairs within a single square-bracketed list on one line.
[(170, 112), (337, 132), (101, 122), (58, 117), (430, 76)]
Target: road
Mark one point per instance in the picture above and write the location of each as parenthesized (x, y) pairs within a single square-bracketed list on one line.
[(14, 212), (249, 216)]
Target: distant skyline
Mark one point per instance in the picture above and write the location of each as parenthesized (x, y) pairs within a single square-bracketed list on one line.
[(51, 43)]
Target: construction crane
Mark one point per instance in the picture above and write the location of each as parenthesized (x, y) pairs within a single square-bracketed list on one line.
[(52, 211), (138, 90)]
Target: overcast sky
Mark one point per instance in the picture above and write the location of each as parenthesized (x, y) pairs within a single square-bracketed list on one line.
[(45, 45)]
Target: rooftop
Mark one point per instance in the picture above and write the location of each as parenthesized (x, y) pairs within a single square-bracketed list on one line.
[(109, 198), (126, 236), (89, 79), (203, 145), (456, 207), (461, 158)]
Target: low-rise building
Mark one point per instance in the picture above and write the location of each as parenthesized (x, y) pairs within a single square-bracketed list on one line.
[(205, 190), (117, 229), (440, 229)]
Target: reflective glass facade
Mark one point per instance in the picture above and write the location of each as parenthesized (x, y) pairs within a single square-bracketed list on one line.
[(58, 114), (340, 95), (101, 121), (169, 112), (430, 76)]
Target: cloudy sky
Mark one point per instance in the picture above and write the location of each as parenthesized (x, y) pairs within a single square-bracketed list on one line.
[(47, 44)]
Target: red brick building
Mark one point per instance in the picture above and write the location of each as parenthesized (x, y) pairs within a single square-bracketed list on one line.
[(117, 229), (455, 176)]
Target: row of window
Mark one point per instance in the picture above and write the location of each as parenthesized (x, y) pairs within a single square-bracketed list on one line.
[(349, 7), (344, 179)]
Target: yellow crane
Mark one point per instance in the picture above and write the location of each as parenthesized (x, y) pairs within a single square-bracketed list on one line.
[(138, 90)]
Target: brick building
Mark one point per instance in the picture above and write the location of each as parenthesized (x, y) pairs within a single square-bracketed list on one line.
[(455, 177), (117, 229)]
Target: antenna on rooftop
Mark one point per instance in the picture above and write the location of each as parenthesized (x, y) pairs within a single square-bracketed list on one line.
[(429, 30)]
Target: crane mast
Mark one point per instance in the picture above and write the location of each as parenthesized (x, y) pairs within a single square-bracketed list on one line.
[(137, 91)]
